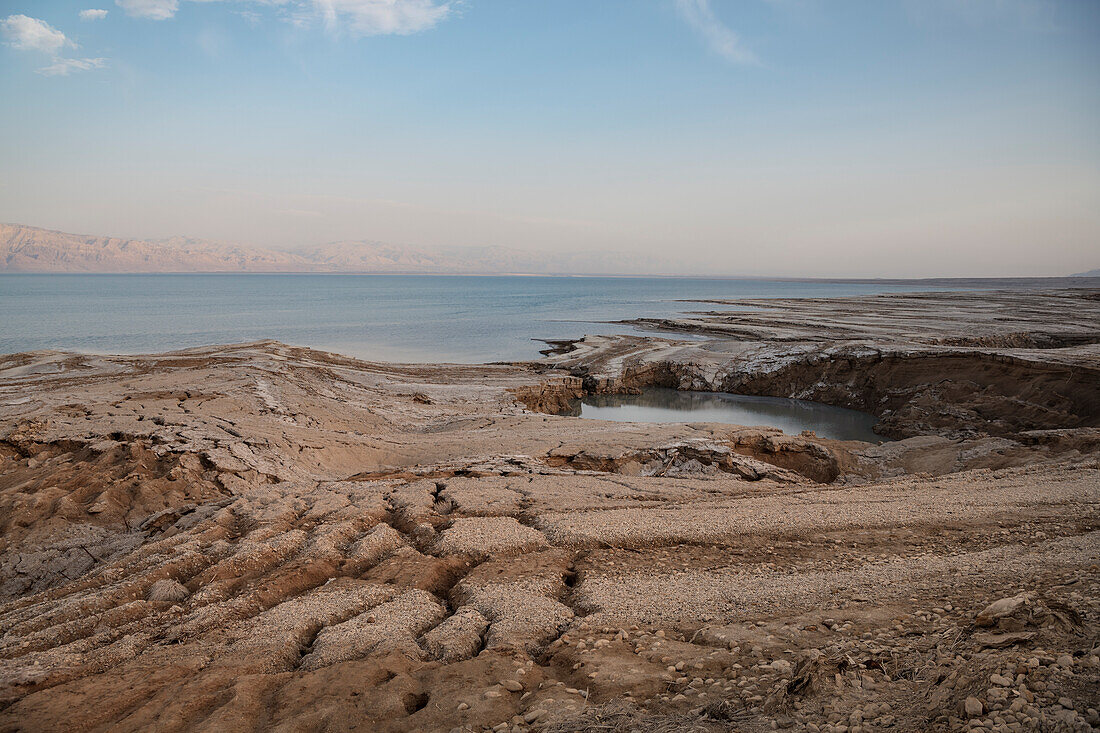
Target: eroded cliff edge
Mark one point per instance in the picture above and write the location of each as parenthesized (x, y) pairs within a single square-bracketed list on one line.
[(956, 363)]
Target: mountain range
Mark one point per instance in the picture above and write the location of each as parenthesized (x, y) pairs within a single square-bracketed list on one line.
[(31, 249)]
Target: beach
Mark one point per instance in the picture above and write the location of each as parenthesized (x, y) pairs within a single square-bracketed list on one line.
[(262, 536)]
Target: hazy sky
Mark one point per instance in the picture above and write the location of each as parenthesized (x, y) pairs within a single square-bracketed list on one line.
[(797, 137)]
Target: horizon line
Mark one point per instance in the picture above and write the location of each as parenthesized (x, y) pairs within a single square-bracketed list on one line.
[(673, 276)]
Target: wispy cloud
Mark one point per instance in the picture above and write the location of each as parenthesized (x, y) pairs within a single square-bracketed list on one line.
[(64, 67), (152, 9), (250, 16), (721, 39), (32, 34), (382, 17), (356, 17)]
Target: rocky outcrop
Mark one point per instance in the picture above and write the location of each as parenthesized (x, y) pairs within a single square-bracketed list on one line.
[(555, 396), (688, 458), (795, 453)]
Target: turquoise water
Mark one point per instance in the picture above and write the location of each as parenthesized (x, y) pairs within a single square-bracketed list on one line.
[(420, 318), (789, 415)]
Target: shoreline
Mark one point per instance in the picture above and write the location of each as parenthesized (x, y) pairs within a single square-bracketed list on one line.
[(258, 535), (666, 325), (1012, 282)]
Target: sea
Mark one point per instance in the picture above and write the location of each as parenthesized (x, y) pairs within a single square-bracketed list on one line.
[(397, 318)]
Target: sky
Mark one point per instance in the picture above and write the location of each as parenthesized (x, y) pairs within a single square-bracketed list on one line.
[(892, 138)]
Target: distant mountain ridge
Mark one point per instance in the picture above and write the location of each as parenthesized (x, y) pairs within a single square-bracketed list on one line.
[(32, 249), (36, 250)]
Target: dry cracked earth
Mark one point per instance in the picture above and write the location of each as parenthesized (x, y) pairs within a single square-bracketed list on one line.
[(262, 537)]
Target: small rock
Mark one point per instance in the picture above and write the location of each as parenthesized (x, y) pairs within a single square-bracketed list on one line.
[(1017, 607), (973, 707), (512, 685), (998, 641), (168, 590)]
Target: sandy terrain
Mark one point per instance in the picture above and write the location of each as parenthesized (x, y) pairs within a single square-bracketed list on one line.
[(262, 537)]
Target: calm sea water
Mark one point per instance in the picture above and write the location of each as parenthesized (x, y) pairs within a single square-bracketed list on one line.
[(416, 318), (789, 415)]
